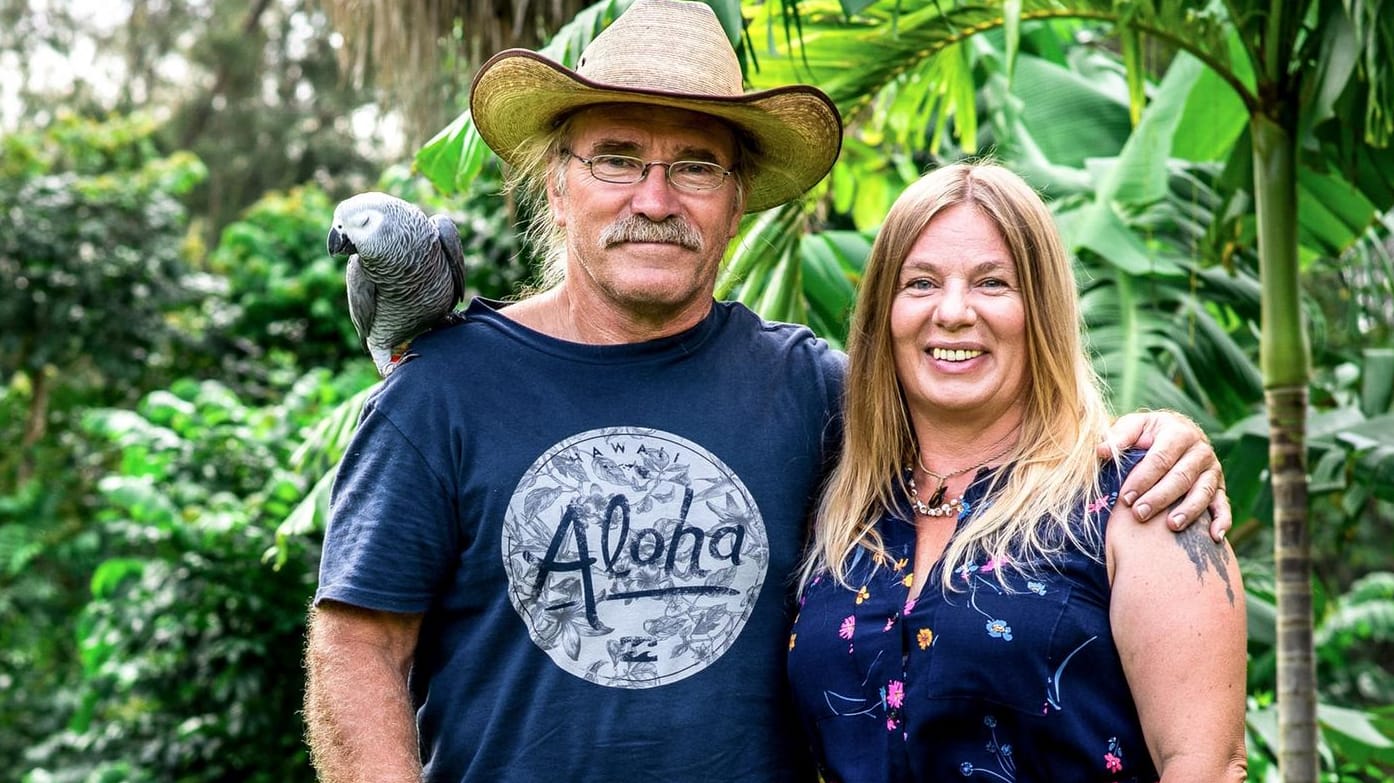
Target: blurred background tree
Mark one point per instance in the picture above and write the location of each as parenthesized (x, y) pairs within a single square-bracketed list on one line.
[(423, 53), (252, 89)]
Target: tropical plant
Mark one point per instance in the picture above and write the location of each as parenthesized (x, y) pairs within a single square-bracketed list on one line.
[(190, 642), (96, 274), (1354, 633), (91, 248)]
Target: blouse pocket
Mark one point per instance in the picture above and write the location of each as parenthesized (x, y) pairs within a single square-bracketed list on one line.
[(994, 643), (853, 747)]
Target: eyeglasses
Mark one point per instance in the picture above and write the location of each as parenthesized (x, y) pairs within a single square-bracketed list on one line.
[(690, 175)]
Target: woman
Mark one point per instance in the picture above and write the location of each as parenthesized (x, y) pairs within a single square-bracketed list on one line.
[(971, 607)]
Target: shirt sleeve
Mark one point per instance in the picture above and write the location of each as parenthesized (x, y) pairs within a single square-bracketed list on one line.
[(834, 365), (391, 533)]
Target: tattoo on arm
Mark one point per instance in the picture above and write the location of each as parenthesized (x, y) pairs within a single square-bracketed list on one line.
[(1204, 553)]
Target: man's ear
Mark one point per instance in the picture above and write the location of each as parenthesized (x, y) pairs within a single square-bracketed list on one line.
[(737, 210)]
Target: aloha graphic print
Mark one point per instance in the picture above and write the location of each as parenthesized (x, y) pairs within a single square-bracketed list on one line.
[(634, 556)]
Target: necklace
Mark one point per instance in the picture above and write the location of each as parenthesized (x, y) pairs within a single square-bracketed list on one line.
[(936, 506)]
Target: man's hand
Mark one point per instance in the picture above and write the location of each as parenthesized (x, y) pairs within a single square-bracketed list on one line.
[(1180, 466)]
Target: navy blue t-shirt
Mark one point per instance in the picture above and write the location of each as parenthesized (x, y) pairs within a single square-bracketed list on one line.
[(1022, 684), (601, 539)]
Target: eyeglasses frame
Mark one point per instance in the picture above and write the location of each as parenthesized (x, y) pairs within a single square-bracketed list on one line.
[(726, 173)]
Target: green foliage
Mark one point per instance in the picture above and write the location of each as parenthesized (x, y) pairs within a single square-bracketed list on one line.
[(1354, 638), (91, 233), (285, 292), (157, 544), (1351, 464), (190, 643), (92, 256), (41, 585)]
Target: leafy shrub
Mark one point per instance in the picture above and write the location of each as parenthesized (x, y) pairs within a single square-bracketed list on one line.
[(190, 645), (91, 236), (285, 294), (94, 263)]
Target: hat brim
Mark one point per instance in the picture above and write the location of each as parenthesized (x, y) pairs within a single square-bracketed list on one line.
[(519, 95)]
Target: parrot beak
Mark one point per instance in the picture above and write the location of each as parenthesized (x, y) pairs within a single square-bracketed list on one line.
[(339, 244)]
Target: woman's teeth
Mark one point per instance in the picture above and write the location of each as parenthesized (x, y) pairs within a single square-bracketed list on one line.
[(958, 355)]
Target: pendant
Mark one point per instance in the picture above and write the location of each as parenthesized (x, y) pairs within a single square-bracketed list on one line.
[(936, 507), (938, 496)]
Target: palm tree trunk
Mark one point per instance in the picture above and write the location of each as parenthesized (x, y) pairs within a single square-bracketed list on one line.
[(1297, 731), (1283, 356)]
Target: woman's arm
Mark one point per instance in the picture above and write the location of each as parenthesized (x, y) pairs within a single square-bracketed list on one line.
[(358, 712), (1177, 610)]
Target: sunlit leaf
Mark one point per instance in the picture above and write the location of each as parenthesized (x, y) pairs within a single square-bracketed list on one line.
[(1354, 724), (111, 573)]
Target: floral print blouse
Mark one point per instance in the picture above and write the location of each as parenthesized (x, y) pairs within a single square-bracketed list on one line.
[(980, 683)]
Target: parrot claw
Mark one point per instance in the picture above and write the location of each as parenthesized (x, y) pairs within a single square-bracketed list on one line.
[(397, 360)]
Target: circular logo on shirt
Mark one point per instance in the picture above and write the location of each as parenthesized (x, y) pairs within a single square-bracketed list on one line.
[(633, 556)]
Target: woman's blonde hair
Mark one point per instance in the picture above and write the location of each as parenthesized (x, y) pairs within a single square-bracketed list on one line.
[(1064, 415)]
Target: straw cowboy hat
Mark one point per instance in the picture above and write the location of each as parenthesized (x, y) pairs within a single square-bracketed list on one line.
[(663, 53)]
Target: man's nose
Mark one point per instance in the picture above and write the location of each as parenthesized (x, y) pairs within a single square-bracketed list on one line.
[(654, 196)]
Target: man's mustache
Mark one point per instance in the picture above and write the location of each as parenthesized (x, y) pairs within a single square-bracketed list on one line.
[(636, 228)]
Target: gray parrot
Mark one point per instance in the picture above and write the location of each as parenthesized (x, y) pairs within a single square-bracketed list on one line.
[(406, 272)]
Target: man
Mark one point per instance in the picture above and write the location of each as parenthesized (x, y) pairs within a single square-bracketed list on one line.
[(561, 541)]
